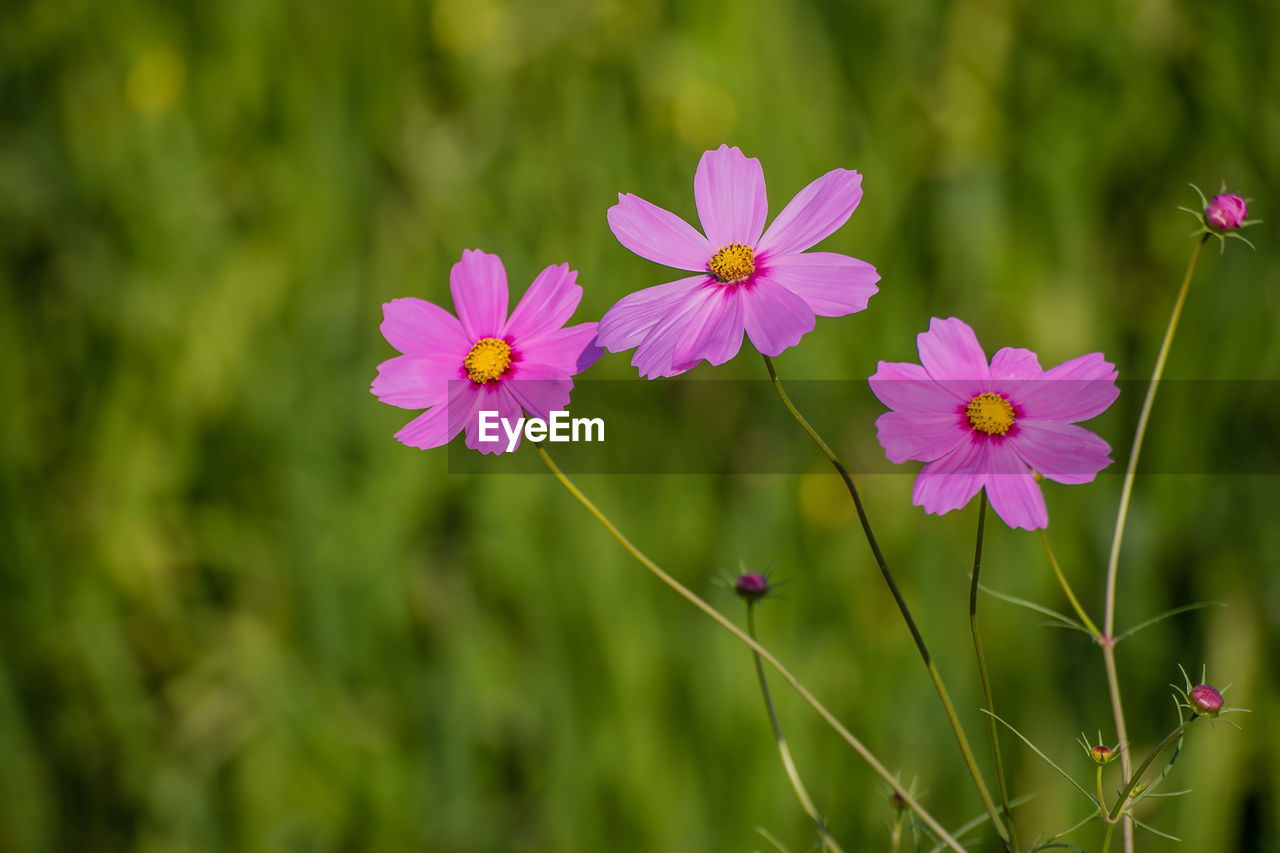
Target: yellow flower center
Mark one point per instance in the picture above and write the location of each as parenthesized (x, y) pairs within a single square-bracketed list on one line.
[(488, 360), (734, 263), (990, 413)]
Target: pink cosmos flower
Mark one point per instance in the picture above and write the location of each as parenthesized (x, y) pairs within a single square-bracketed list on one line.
[(999, 426), (747, 278), (483, 360)]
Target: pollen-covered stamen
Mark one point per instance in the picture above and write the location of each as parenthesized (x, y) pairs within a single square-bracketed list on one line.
[(733, 263), (990, 413), (488, 360)]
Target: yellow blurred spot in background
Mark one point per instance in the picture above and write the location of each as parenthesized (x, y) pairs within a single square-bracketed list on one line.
[(824, 500), (704, 113), (464, 26), (156, 80)]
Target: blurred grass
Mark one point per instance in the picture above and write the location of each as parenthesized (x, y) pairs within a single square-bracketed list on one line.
[(235, 614)]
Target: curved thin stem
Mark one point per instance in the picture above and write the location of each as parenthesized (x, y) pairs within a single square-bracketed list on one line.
[(1122, 515), (784, 751), (965, 750), (983, 675), (765, 654), (1066, 587)]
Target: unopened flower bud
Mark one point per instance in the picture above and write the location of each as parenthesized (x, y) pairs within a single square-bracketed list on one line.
[(1102, 754), (896, 800), (1205, 700), (751, 585), (1226, 212)]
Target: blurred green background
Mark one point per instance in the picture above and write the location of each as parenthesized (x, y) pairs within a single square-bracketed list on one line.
[(235, 614)]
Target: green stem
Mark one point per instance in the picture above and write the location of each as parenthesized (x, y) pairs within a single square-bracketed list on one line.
[(965, 750), (765, 654), (983, 674), (783, 750), (1122, 515), (1066, 587), (1136, 778), (1102, 803), (1117, 811)]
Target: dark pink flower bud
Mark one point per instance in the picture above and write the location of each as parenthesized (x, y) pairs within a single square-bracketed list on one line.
[(1102, 754), (751, 586), (1226, 212), (1205, 700)]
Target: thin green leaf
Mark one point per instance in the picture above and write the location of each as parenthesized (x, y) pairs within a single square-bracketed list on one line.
[(1199, 605), (1077, 825), (983, 818), (1149, 828), (1168, 795), (1066, 621), (1046, 759), (768, 836)]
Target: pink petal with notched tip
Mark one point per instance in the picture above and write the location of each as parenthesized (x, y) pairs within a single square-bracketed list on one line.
[(1064, 453), (833, 285), (417, 327), (924, 438), (815, 213), (950, 482), (950, 352), (540, 390), (657, 234), (1014, 494), (561, 348), (1075, 390), (493, 397), (479, 287), (775, 317), (547, 304), (634, 317), (416, 382), (716, 329), (728, 189), (439, 424), (908, 387)]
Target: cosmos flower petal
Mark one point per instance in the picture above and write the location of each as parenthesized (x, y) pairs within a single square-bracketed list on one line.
[(775, 317), (656, 355), (439, 424), (1062, 452), (950, 482), (951, 353), (717, 327), (657, 234), (1075, 390), (908, 387), (728, 189), (493, 397), (548, 303), (415, 382), (479, 287), (633, 317), (834, 285), (540, 389), (417, 327), (1015, 363), (815, 213), (925, 438), (1012, 489), (563, 348)]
